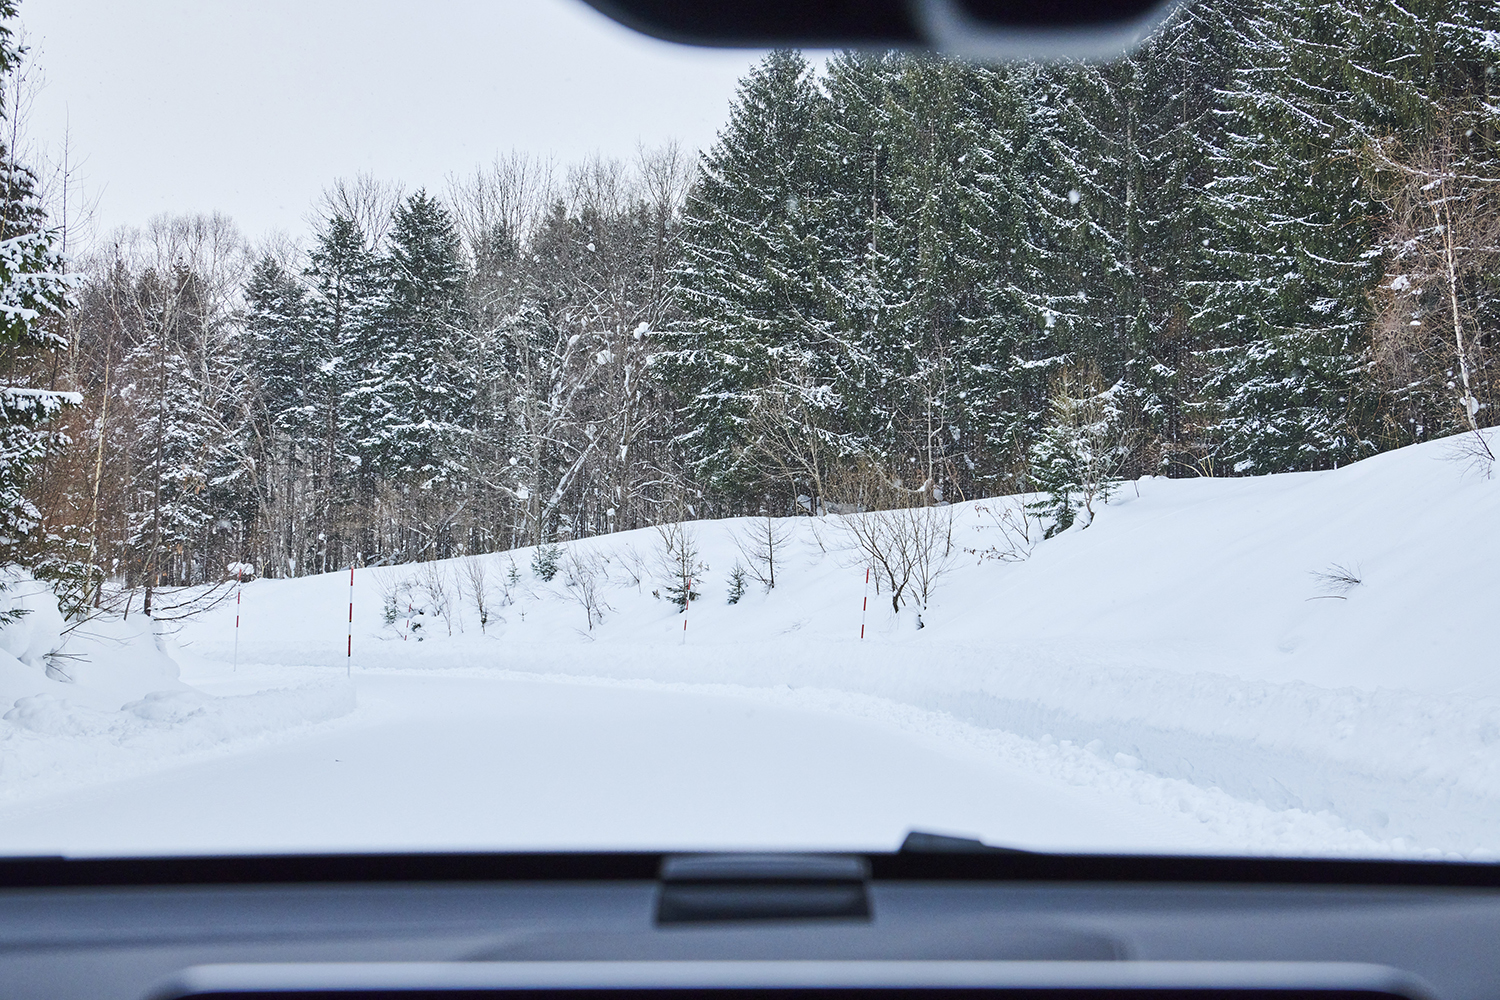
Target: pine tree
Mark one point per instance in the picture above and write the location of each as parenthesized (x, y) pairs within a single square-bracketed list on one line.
[(1286, 319), (1183, 69), (748, 280), (35, 290), (1078, 457), (345, 295), (898, 138), (1011, 345), (290, 362), (420, 389)]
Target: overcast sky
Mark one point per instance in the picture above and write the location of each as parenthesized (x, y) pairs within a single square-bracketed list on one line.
[(250, 108)]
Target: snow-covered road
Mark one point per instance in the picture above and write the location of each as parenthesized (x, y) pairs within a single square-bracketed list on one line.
[(451, 762), (1284, 664)]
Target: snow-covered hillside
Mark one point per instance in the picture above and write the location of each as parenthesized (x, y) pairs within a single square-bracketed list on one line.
[(1290, 663)]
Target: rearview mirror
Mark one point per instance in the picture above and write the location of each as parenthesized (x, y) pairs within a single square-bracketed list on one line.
[(979, 29)]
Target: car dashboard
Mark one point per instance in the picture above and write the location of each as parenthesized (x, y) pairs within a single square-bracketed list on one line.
[(817, 927)]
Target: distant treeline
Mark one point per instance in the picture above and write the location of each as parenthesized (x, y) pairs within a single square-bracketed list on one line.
[(1266, 241)]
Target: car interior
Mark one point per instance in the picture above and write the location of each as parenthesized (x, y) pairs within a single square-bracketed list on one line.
[(941, 916)]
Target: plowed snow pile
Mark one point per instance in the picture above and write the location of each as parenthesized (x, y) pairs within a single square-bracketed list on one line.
[(1299, 662), (105, 700)]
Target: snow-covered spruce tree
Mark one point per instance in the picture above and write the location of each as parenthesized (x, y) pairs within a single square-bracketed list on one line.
[(737, 578), (843, 388), (904, 253), (420, 390), (288, 359), (678, 563), (1008, 349), (1286, 316), (545, 560), (35, 290), (1077, 459), (414, 392), (1175, 125), (1117, 162), (344, 297), (748, 277)]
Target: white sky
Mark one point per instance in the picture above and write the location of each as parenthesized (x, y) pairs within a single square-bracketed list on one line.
[(250, 108)]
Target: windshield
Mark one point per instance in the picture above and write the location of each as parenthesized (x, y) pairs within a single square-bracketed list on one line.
[(481, 427)]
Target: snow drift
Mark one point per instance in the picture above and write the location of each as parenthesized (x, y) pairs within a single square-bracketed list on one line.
[(105, 699), (1318, 642)]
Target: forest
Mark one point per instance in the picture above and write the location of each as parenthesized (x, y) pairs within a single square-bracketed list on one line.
[(1265, 241)]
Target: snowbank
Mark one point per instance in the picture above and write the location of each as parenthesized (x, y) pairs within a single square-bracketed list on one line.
[(105, 699), (1317, 642), (36, 625)]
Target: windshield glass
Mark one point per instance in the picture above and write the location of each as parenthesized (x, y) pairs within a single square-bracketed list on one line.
[(482, 427)]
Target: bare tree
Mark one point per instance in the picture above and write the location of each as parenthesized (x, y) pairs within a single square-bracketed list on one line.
[(910, 547), (585, 576), (435, 583), (165, 320), (475, 571), (634, 565), (790, 440), (368, 202), (1443, 241), (498, 207), (761, 543)]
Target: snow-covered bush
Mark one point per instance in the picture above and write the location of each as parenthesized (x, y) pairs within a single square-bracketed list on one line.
[(1078, 459), (476, 573), (1018, 528), (31, 625), (545, 561), (910, 548), (634, 565), (736, 584), (395, 597), (436, 587)]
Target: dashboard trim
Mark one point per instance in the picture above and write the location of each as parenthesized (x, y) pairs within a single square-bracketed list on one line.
[(47, 872)]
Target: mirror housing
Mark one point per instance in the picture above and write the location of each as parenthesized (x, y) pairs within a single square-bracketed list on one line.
[(977, 29)]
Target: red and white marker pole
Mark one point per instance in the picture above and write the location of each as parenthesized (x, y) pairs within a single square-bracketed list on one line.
[(239, 589), (349, 647), (866, 605), (687, 605)]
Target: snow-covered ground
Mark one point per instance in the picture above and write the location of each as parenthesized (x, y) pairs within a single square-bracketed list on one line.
[(1300, 663)]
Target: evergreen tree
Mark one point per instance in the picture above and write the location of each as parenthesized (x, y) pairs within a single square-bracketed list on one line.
[(1012, 344), (290, 362), (419, 389), (899, 137), (1286, 318), (345, 296), (748, 281), (35, 290), (1078, 457)]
